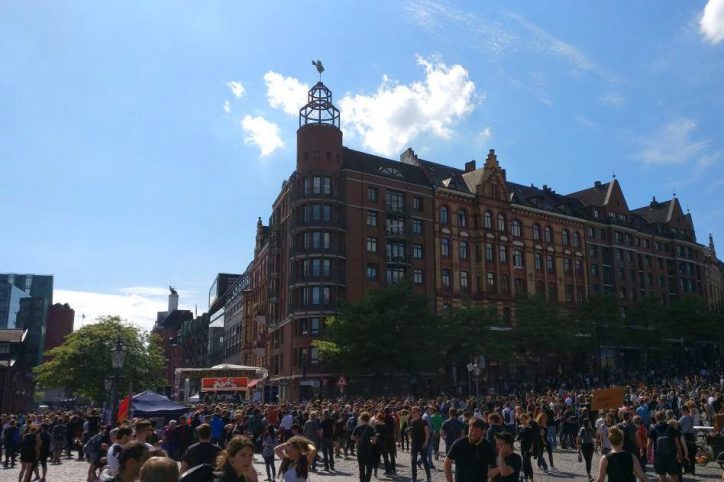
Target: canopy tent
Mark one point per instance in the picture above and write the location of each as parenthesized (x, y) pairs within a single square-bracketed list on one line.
[(151, 404)]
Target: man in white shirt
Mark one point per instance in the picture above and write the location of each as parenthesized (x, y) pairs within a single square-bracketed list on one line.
[(286, 424), (123, 436)]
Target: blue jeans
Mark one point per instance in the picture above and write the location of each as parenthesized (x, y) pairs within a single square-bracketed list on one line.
[(551, 436)]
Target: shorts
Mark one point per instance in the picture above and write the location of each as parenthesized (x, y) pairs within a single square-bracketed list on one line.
[(664, 467)]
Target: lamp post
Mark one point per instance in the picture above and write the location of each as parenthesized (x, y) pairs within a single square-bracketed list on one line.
[(118, 357), (473, 369)]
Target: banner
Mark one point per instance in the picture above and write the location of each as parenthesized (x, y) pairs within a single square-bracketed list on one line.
[(224, 384), (124, 409), (608, 398)]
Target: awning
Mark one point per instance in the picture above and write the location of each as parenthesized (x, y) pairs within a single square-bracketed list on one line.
[(252, 383)]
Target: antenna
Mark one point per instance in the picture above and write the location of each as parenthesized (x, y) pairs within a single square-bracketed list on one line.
[(614, 173)]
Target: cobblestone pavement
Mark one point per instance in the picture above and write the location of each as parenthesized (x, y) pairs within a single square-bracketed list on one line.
[(567, 469)]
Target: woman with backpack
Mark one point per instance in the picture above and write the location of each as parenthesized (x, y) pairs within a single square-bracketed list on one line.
[(618, 465)]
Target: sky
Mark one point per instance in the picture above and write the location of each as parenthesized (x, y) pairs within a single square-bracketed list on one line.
[(140, 141)]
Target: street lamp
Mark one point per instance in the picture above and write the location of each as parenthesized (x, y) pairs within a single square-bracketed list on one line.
[(118, 357), (473, 369)]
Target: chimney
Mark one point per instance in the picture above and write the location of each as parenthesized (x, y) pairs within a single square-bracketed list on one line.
[(653, 202), (597, 184), (470, 166), (172, 301)]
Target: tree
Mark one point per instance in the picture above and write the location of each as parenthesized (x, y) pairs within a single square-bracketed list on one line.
[(469, 332), (650, 323), (692, 320), (599, 320), (389, 330), (542, 329), (83, 362)]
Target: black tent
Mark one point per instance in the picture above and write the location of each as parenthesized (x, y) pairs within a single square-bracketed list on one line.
[(151, 404)]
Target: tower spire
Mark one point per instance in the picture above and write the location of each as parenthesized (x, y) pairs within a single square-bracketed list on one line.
[(319, 108)]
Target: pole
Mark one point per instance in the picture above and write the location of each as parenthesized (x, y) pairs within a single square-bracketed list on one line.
[(114, 397)]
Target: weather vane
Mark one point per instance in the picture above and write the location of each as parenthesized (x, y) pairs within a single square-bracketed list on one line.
[(320, 68)]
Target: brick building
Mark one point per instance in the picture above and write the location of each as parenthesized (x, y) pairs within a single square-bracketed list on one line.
[(60, 324), (346, 222)]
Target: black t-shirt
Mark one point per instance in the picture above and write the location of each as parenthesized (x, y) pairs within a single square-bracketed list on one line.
[(327, 426), (515, 462), (472, 461), (417, 433), (201, 453)]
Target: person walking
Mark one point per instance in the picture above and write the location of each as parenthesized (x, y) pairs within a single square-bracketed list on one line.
[(296, 455), (619, 465), (472, 455), (364, 438), (585, 442), (268, 443), (508, 463), (203, 452), (29, 453), (420, 439)]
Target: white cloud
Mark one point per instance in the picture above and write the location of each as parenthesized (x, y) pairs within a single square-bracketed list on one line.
[(262, 133), (285, 93), (586, 122), (712, 21), (613, 99), (672, 144), (395, 114), (501, 33), (486, 134), (236, 88), (132, 305), (227, 107)]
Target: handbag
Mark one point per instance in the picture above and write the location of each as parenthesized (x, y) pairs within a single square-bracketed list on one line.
[(580, 457)]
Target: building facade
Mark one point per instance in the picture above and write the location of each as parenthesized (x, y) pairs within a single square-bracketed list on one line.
[(346, 222), (60, 324)]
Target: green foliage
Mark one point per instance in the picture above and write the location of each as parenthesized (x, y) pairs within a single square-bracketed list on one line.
[(541, 327), (691, 319), (83, 362), (389, 330), (599, 318), (468, 332)]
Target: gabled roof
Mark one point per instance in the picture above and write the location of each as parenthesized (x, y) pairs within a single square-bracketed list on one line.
[(545, 199), (371, 164), (594, 196), (656, 212)]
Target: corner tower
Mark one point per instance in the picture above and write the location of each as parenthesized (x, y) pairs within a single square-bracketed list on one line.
[(319, 138)]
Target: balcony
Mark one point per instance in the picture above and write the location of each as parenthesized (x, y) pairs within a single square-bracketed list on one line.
[(397, 210), (398, 259), (334, 276), (318, 250), (338, 221)]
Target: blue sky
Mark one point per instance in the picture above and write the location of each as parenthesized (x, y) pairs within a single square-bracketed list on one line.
[(140, 141)]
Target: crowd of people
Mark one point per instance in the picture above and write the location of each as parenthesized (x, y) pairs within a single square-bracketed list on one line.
[(496, 437)]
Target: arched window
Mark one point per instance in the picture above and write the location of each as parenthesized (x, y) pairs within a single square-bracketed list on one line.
[(536, 232), (517, 258), (549, 263), (538, 262), (443, 215), (462, 218), (564, 237), (501, 223), (488, 220), (548, 234), (515, 228), (576, 240)]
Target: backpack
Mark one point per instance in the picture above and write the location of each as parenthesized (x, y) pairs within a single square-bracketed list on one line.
[(665, 447), (92, 447), (629, 437)]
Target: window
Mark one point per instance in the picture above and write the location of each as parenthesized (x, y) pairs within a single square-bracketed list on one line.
[(417, 251), (576, 240), (417, 226), (372, 194), (317, 212), (462, 218), (566, 265), (517, 258), (490, 281), (319, 240), (501, 223), (463, 250), (569, 293), (595, 214), (536, 232), (502, 254), (316, 323), (564, 237), (417, 203), (372, 272), (504, 285), (464, 280), (394, 201), (578, 266), (547, 234), (395, 251), (489, 252), (321, 185), (549, 263), (591, 232), (313, 355), (515, 228), (394, 274), (445, 247), (371, 218), (395, 226), (443, 215), (488, 220), (372, 244), (592, 250), (538, 259), (520, 289), (417, 276), (552, 292), (445, 278)]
